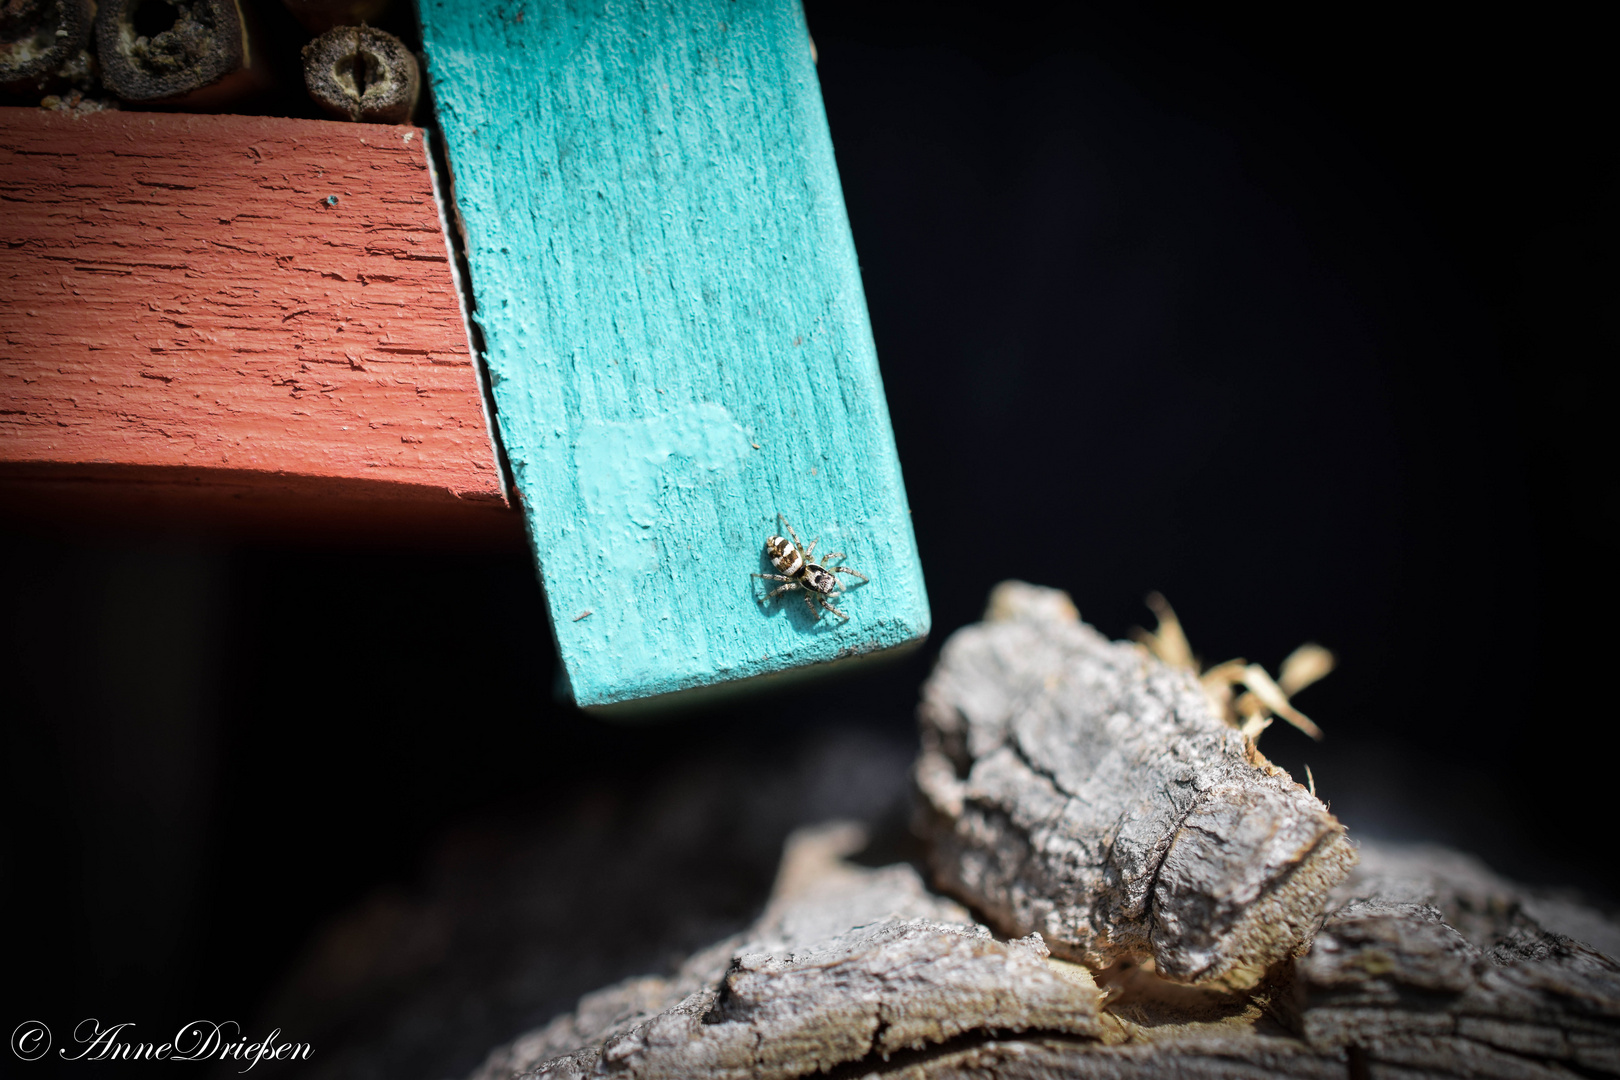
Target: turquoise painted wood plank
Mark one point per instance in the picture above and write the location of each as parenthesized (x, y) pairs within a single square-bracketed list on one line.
[(675, 331)]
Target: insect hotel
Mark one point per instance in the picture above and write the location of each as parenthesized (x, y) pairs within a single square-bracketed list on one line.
[(584, 273), (657, 345)]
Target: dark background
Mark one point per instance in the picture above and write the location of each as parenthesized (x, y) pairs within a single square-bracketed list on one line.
[(1306, 323)]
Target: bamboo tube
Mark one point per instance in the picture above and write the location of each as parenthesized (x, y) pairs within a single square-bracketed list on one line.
[(361, 73), (198, 56)]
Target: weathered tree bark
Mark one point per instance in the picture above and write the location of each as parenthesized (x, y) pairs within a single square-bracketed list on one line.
[(1083, 789), (1415, 963), (846, 966), (1434, 965), (860, 972)]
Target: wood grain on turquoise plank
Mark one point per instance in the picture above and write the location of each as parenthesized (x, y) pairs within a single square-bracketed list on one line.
[(675, 329)]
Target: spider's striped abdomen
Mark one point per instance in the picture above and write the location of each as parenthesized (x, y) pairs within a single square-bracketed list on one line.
[(784, 556)]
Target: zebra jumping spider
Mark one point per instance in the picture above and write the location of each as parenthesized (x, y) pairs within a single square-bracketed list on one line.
[(800, 572)]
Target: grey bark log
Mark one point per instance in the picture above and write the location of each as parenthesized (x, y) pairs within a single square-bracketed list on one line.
[(861, 972), (1083, 789), (1430, 963), (847, 965), (619, 874), (844, 965)]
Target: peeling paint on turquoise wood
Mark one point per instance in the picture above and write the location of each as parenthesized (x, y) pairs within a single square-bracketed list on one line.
[(675, 331)]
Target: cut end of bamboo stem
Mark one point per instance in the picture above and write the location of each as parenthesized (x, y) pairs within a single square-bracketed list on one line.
[(362, 74)]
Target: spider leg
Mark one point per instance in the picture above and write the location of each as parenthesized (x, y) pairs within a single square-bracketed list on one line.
[(773, 577), (810, 601), (847, 570), (780, 589), (809, 555), (826, 604), (830, 556)]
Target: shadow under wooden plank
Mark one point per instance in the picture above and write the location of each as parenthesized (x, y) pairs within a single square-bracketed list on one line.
[(246, 505)]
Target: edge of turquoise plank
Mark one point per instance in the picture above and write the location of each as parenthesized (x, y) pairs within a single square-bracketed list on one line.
[(657, 423)]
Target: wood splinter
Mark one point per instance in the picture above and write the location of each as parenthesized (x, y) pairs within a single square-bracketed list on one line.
[(1251, 711), (362, 74), (1087, 790)]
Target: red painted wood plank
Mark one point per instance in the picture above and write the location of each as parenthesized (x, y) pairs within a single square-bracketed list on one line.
[(232, 311)]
